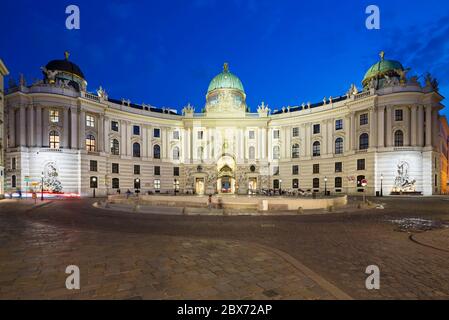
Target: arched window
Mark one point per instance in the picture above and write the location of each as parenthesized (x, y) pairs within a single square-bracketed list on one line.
[(295, 151), (339, 146), (115, 183), (136, 150), (175, 153), (90, 143), (364, 141), (316, 149), (54, 139), (252, 153), (276, 153), (156, 151), (316, 183), (115, 147), (398, 138)]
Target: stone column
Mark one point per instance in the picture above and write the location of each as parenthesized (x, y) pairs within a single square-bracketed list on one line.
[(413, 126), (82, 131), (381, 127), (65, 120), (407, 128), (420, 138), (45, 131), (353, 131), (128, 144), (324, 147), (347, 129), (38, 127), (106, 142), (30, 126), (389, 125), (330, 136), (435, 128), (12, 127), (428, 126), (74, 128), (373, 128), (144, 141), (123, 139), (100, 137), (22, 126)]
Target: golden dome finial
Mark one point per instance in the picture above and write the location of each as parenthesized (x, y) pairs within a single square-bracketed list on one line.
[(67, 55), (382, 55), (226, 67)]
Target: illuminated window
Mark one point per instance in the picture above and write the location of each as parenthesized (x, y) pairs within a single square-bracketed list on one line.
[(295, 132), (54, 116), (295, 151), (54, 140), (115, 147), (157, 185), (90, 143), (90, 121)]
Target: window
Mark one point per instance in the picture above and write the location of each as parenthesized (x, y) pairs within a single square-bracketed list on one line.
[(137, 183), (115, 147), (115, 183), (175, 153), (338, 166), (200, 135), (316, 128), (398, 115), (156, 133), (157, 171), (364, 119), (339, 146), (252, 135), (316, 183), (316, 168), (276, 184), (136, 169), (364, 141), (398, 138), (295, 132), (13, 163), (176, 185), (176, 135), (275, 134), (157, 185), (275, 170), (295, 151), (276, 153), (360, 164), (54, 116), (295, 183), (114, 126), (252, 153), (359, 181), (338, 124), (295, 169), (156, 151), (176, 171), (13, 181), (90, 143), (115, 168), (316, 149), (93, 165), (136, 150), (136, 130), (54, 140), (90, 121), (338, 182)]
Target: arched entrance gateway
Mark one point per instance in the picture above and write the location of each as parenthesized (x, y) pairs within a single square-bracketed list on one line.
[(226, 174)]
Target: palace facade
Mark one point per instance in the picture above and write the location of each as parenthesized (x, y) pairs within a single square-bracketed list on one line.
[(386, 137), (3, 72)]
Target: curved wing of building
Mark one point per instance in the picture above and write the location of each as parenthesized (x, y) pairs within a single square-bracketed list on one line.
[(386, 137)]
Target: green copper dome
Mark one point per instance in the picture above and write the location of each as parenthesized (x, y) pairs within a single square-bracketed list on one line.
[(382, 68), (225, 80)]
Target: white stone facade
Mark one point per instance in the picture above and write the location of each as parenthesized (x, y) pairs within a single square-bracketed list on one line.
[(3, 72)]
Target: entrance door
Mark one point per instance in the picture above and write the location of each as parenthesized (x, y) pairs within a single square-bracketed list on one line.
[(226, 185), (252, 186), (199, 186)]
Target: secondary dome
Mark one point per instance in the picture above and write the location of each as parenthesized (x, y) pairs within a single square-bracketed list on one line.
[(65, 66), (383, 68), (226, 80)]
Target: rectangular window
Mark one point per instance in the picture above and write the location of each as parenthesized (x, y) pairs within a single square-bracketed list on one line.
[(338, 182), (114, 126), (90, 121), (295, 183), (316, 128), (54, 116), (115, 168), (316, 168), (364, 119), (157, 185), (275, 170), (275, 134), (360, 164), (136, 169), (156, 133), (398, 115), (136, 130), (93, 165), (13, 164), (176, 171), (157, 171), (295, 169), (339, 124), (338, 166), (252, 134), (295, 132), (175, 135)]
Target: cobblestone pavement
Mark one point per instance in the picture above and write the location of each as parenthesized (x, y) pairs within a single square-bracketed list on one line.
[(35, 244)]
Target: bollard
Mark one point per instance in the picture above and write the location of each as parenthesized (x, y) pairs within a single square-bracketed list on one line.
[(300, 210)]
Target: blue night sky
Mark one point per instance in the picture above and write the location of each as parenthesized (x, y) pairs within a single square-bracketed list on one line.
[(165, 53)]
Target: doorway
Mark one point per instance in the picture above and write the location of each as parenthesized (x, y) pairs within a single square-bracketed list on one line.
[(199, 186)]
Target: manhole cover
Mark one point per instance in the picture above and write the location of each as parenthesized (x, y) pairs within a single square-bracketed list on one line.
[(270, 293)]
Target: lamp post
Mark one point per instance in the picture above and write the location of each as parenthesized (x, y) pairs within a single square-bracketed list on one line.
[(280, 187), (137, 186), (94, 183), (42, 186), (381, 185), (175, 186), (325, 186)]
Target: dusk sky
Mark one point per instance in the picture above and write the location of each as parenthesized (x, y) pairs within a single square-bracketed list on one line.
[(165, 53)]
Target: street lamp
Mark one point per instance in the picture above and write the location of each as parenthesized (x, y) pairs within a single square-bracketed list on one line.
[(137, 186), (42, 186), (325, 186), (381, 185), (280, 187), (93, 185), (175, 185)]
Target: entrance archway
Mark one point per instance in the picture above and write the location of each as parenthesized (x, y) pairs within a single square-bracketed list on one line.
[(226, 174)]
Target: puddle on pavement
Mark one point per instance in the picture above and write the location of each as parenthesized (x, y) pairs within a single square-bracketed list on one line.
[(418, 224)]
